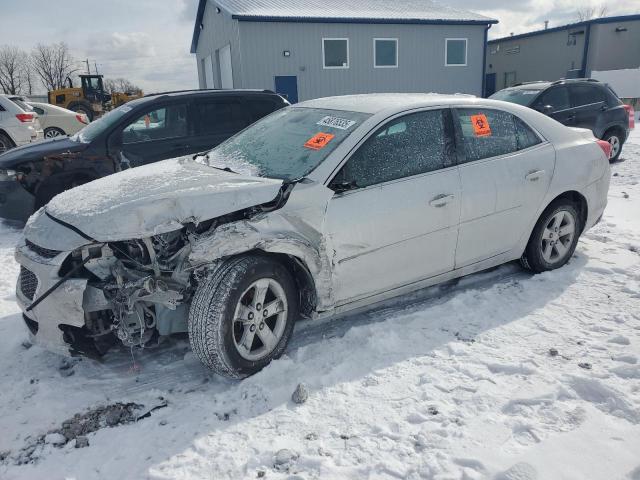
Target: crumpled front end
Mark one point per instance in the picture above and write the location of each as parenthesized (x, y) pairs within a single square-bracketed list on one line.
[(85, 299)]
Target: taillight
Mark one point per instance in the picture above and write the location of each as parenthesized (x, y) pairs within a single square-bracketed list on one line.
[(632, 116), (82, 119), (606, 147), (25, 117)]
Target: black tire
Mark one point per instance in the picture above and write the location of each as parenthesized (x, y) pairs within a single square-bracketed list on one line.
[(5, 143), (53, 132), (83, 107), (53, 187), (211, 316), (615, 139), (534, 255)]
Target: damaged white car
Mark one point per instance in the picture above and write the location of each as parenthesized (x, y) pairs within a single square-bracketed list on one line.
[(320, 208)]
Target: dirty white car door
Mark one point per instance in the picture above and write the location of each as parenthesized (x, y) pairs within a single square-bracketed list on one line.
[(506, 170), (394, 217)]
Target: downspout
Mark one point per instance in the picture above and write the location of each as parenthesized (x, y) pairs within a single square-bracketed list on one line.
[(585, 53), (484, 60)]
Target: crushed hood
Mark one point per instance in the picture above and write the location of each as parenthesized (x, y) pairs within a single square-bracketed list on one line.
[(38, 150), (157, 198)]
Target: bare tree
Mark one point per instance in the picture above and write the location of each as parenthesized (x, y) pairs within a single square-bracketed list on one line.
[(113, 85), (587, 13), (14, 69), (53, 64)]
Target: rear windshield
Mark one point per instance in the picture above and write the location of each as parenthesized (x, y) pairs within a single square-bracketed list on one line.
[(23, 105), (520, 96), (288, 144)]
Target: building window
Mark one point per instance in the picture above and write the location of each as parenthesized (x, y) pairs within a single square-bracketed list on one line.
[(385, 52), (495, 49), (509, 79), (335, 52), (455, 52)]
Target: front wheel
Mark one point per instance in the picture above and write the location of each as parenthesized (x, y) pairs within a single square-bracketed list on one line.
[(554, 238), (242, 317)]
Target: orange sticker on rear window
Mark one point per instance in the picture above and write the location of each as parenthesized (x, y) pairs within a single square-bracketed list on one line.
[(319, 141), (481, 126)]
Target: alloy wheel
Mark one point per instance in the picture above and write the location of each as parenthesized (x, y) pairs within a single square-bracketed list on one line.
[(52, 133), (614, 141), (260, 318), (557, 237)]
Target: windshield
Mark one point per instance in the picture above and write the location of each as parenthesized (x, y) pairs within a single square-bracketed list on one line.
[(286, 145), (95, 128), (520, 96)]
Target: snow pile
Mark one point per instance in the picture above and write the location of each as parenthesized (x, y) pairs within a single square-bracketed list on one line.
[(502, 375)]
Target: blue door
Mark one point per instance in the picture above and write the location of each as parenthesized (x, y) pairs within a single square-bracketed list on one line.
[(489, 84), (287, 86)]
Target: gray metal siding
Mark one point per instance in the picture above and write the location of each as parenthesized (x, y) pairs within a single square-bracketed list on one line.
[(542, 57), (219, 30), (421, 58), (611, 50)]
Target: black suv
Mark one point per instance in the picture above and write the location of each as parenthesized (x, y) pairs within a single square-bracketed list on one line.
[(146, 130), (584, 103)]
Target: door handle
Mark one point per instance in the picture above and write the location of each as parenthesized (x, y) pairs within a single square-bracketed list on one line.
[(534, 176), (441, 200)]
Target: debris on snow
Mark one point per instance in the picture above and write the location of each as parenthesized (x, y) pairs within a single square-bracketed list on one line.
[(585, 365), (81, 442), (284, 459), (553, 352), (300, 394)]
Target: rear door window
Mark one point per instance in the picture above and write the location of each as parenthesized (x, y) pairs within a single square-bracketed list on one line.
[(487, 133), (221, 116), (526, 137), (557, 98), (409, 145), (582, 95)]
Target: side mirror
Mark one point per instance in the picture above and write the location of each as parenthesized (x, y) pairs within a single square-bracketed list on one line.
[(341, 187)]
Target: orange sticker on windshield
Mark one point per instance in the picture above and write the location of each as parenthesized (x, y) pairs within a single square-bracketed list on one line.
[(481, 125), (319, 141)]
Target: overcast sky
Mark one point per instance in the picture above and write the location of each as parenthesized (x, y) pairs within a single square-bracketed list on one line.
[(147, 41)]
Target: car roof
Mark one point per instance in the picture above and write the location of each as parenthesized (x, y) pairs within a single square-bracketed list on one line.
[(373, 103), (210, 91)]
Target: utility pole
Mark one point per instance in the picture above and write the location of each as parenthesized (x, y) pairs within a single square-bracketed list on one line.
[(95, 64), (88, 68)]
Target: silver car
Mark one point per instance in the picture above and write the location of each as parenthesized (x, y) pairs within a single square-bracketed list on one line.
[(318, 209)]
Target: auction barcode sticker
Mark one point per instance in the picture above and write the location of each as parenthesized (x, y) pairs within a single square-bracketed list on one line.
[(336, 122)]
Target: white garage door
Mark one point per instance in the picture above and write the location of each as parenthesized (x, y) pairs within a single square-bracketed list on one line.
[(226, 70), (208, 73)]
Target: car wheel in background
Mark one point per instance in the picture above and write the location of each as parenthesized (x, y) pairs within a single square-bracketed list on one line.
[(5, 143), (615, 140), (554, 237), (52, 132), (242, 316), (82, 107)]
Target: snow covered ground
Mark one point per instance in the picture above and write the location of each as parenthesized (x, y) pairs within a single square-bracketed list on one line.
[(503, 375)]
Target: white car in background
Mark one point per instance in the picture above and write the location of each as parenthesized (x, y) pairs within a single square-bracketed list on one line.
[(57, 121), (19, 124), (320, 208)]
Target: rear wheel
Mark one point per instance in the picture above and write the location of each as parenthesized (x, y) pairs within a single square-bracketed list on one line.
[(615, 140), (554, 237), (53, 132), (242, 317), (5, 143)]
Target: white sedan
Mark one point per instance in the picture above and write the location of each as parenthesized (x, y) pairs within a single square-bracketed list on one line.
[(320, 208), (57, 121)]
